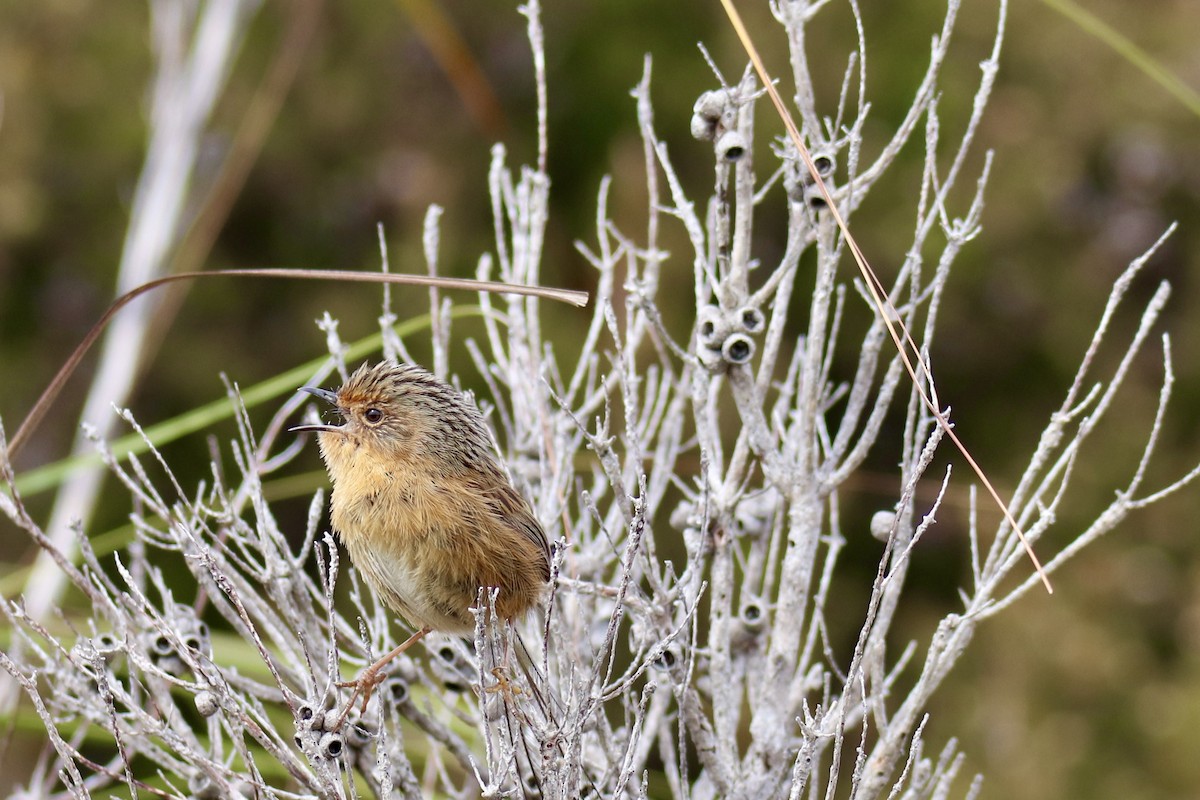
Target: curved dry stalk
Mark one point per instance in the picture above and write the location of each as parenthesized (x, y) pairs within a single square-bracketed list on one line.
[(51, 392)]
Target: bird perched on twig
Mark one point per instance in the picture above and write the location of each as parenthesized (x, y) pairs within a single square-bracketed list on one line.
[(424, 507)]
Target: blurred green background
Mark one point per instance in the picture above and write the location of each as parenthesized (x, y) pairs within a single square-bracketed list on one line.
[(1094, 692)]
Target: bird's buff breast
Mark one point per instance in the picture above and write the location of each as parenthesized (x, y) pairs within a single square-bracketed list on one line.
[(394, 524)]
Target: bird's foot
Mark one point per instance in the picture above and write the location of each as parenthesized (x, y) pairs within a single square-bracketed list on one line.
[(503, 685), (364, 686)]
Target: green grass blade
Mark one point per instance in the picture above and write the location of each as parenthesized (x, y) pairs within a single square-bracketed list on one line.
[(45, 478), (1139, 58)]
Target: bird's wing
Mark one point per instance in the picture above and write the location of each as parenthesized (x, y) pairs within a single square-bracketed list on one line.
[(511, 507)]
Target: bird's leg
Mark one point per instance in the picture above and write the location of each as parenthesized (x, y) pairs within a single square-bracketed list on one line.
[(503, 684), (369, 678)]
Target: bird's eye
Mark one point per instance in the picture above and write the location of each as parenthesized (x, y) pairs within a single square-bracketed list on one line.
[(373, 416)]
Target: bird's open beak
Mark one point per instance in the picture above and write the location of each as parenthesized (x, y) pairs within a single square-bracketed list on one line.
[(328, 397), (316, 428), (317, 391)]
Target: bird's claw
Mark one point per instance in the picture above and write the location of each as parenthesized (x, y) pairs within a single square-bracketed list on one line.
[(364, 685), (502, 684)]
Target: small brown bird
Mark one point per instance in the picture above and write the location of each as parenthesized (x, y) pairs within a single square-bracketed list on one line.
[(424, 508)]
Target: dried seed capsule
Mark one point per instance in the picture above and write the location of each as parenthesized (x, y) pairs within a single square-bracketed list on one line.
[(703, 128), (751, 319), (397, 689), (159, 646), (357, 734), (814, 199), (452, 673), (731, 146), (710, 327), (206, 703), (825, 162), (712, 360), (707, 113), (711, 105), (882, 523), (752, 615), (331, 745), (666, 660), (738, 348)]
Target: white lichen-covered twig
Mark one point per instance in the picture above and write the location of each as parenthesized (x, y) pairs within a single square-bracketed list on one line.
[(689, 479)]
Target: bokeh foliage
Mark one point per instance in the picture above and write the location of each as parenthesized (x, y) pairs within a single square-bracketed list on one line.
[(1093, 692)]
